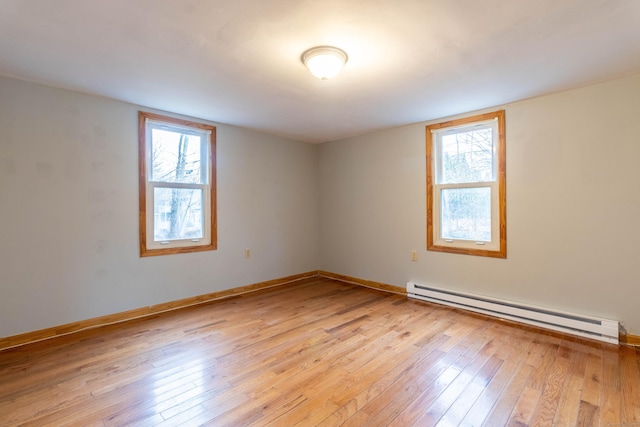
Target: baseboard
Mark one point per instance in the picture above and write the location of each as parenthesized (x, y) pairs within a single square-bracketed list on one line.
[(69, 328), (363, 282), (630, 340)]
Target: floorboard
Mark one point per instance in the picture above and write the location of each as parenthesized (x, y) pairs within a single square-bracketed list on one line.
[(319, 352)]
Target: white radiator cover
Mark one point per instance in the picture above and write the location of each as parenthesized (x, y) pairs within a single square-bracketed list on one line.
[(570, 323)]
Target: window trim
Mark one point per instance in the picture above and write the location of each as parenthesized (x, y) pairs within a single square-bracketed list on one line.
[(144, 185), (432, 226)]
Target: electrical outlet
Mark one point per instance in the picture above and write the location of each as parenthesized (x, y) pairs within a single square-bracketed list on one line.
[(247, 253), (414, 255)]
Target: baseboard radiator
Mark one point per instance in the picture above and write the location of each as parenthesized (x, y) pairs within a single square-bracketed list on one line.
[(570, 323)]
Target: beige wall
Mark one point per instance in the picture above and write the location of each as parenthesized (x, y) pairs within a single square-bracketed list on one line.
[(573, 207), (69, 212)]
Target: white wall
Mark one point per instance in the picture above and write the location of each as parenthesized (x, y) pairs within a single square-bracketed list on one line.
[(573, 207), (69, 205), (69, 212)]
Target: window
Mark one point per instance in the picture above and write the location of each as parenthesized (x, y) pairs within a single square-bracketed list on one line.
[(177, 185), (466, 186)]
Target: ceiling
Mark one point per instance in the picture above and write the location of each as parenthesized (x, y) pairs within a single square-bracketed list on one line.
[(238, 62)]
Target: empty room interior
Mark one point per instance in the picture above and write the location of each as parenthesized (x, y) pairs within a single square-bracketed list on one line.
[(197, 227)]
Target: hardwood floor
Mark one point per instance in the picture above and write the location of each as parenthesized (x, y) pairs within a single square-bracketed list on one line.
[(319, 353)]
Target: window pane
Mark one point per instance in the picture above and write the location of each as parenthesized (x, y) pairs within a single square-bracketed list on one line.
[(467, 156), (175, 157), (177, 214), (466, 214)]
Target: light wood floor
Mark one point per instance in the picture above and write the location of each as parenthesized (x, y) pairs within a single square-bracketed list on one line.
[(319, 353)]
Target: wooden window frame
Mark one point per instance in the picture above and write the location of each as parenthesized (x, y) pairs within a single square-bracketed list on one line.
[(433, 216), (143, 185)]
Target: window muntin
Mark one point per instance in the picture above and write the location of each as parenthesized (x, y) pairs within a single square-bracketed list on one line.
[(177, 185), (466, 209)]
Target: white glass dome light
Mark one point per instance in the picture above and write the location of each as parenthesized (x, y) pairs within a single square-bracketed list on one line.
[(324, 62)]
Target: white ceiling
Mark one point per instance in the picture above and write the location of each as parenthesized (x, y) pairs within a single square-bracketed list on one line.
[(238, 62)]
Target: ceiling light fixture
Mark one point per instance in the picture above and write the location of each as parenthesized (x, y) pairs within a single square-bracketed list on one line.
[(324, 62)]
